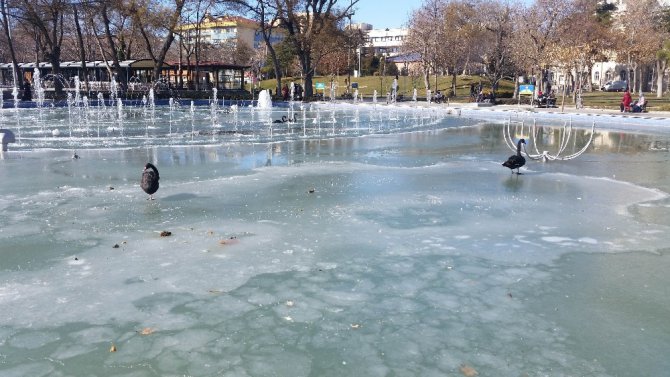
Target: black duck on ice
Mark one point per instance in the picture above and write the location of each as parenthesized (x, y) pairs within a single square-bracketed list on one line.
[(516, 161), (149, 182)]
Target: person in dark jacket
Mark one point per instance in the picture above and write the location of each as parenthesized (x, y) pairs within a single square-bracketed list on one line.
[(27, 92)]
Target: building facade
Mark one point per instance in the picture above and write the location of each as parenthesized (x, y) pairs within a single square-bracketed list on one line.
[(384, 42), (230, 30)]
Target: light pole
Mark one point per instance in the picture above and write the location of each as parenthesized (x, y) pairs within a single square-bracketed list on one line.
[(359, 61), (381, 90)]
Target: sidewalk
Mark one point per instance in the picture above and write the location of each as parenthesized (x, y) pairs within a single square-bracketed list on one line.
[(528, 111), (585, 110), (654, 121)]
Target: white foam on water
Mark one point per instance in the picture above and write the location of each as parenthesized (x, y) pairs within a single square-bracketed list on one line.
[(555, 239), (588, 240)]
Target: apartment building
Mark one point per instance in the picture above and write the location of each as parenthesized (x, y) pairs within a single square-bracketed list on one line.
[(386, 42), (218, 30)]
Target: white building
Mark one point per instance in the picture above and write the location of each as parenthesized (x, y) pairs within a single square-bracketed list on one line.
[(387, 42), (221, 30)]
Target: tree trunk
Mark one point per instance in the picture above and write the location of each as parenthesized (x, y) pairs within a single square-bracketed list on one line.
[(308, 86), (54, 56), (426, 78), (453, 82), (660, 68), (167, 42), (273, 55), (80, 43), (10, 42), (278, 73), (565, 88), (307, 72), (112, 45)]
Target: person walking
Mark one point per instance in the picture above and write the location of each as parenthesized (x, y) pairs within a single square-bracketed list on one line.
[(394, 87), (27, 91), (284, 92)]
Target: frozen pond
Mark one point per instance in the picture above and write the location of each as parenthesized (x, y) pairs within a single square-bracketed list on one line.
[(353, 241)]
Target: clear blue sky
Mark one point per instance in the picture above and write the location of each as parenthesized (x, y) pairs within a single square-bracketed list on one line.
[(384, 14)]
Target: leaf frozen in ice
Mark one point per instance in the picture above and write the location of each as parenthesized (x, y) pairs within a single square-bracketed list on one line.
[(468, 371), (147, 331)]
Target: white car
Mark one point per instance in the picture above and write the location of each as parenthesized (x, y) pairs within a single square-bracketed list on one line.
[(615, 86)]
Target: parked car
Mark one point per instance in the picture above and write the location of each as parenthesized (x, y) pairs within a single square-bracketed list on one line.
[(615, 86)]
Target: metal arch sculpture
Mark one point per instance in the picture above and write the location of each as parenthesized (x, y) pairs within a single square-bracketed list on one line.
[(545, 155)]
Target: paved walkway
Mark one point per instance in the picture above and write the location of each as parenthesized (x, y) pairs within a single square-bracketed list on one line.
[(531, 109), (587, 110), (654, 121)]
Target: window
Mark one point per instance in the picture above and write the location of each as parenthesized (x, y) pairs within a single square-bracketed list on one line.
[(596, 76), (230, 79)]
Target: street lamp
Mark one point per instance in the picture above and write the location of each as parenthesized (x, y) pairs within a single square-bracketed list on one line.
[(359, 61), (381, 89)]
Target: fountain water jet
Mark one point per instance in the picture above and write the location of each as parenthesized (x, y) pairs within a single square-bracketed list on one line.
[(39, 90), (264, 100)]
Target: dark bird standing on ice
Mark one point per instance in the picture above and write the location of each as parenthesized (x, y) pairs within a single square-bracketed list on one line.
[(516, 161), (150, 179)]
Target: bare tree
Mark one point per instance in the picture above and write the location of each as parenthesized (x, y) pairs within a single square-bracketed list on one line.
[(496, 19), (662, 59), (456, 35), (47, 18), (80, 42), (268, 21), (6, 27), (585, 40), (169, 17), (538, 31), (304, 21), (422, 38), (640, 37), (194, 15)]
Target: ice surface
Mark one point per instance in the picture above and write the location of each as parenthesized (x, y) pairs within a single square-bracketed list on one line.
[(393, 244)]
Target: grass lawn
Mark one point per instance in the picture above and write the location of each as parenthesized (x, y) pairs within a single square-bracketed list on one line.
[(367, 85)]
